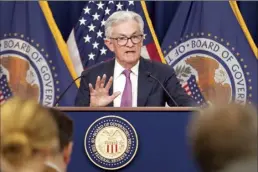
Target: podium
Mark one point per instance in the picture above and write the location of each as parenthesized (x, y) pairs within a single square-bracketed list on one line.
[(163, 145)]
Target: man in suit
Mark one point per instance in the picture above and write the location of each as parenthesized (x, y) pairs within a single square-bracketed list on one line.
[(60, 161), (224, 138), (131, 80)]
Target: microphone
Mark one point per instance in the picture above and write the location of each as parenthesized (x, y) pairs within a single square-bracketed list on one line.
[(58, 100), (153, 77)]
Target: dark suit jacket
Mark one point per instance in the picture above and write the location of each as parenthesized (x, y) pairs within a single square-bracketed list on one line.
[(150, 93)]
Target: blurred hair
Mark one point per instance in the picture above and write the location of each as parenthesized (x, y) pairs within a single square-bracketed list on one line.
[(65, 127), (26, 129), (49, 169), (222, 134)]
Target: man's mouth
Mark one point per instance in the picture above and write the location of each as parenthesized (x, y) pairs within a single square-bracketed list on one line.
[(130, 52)]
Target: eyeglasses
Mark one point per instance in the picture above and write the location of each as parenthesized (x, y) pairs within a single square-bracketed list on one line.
[(135, 39)]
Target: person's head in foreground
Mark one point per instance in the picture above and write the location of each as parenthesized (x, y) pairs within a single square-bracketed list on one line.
[(224, 138), (60, 161), (124, 36), (28, 136)]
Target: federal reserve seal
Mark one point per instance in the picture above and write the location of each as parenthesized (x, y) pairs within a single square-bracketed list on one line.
[(210, 69), (26, 69), (111, 142)]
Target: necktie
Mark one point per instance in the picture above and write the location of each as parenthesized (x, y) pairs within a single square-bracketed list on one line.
[(126, 100)]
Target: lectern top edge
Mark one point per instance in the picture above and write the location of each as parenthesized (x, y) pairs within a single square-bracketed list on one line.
[(142, 109)]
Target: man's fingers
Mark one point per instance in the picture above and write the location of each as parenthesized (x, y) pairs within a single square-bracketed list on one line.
[(97, 85), (103, 80), (109, 83), (91, 88)]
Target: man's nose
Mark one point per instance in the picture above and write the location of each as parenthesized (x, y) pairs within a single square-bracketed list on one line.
[(129, 43)]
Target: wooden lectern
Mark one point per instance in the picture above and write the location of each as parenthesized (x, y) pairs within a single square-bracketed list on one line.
[(162, 142)]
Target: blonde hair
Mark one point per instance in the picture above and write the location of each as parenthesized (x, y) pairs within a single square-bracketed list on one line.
[(49, 169), (223, 134), (26, 128)]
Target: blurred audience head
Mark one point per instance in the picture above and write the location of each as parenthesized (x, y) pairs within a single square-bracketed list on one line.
[(28, 135), (224, 138), (65, 129)]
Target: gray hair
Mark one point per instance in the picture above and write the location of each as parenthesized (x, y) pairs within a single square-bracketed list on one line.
[(122, 16)]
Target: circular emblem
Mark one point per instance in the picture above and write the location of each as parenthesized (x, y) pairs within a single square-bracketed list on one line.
[(25, 69), (210, 70), (111, 142)]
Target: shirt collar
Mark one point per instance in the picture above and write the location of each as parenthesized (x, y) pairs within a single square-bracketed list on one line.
[(135, 68), (119, 69), (52, 165)]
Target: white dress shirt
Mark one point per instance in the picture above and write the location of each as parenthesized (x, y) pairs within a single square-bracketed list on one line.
[(52, 165), (119, 83)]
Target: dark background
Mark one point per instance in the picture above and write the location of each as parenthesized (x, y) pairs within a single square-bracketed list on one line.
[(66, 14)]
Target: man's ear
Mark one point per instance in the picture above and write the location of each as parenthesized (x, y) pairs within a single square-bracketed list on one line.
[(67, 153), (109, 44)]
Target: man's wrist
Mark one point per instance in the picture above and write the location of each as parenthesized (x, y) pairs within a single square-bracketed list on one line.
[(92, 105), (95, 105)]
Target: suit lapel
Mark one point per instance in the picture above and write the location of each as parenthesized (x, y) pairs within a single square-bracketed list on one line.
[(145, 83), (109, 71)]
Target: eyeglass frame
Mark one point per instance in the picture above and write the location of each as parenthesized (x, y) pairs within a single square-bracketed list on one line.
[(141, 37)]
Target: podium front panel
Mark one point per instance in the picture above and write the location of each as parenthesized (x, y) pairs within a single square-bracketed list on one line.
[(163, 144)]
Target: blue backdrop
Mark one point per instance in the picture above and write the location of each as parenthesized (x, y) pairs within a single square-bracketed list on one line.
[(161, 13)]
